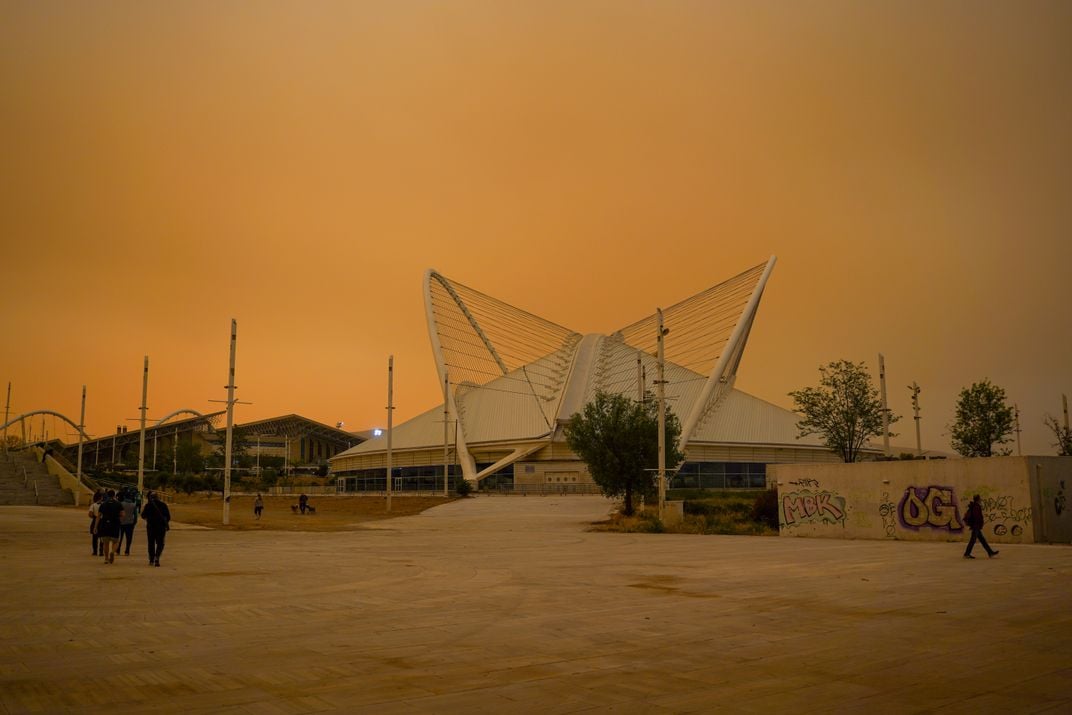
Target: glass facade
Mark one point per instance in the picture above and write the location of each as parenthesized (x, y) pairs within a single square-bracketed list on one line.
[(428, 478), (720, 475)]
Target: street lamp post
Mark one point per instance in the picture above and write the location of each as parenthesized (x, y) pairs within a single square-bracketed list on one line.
[(661, 394)]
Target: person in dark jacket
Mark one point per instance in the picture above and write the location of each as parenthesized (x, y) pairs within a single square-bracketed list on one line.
[(110, 513), (974, 519), (94, 513), (157, 518), (130, 518)]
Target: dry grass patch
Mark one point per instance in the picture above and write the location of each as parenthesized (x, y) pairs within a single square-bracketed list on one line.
[(333, 513)]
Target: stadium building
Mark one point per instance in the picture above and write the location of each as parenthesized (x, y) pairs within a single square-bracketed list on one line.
[(511, 380)]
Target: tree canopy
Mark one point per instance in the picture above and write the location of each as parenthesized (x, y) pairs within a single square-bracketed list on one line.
[(983, 421), (618, 438), (1063, 435), (844, 410)]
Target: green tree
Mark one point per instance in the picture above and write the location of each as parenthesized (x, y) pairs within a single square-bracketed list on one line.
[(190, 460), (1063, 435), (618, 438), (983, 421), (844, 410), (239, 446)]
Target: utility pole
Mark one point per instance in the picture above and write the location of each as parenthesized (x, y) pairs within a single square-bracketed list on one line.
[(915, 408), (1016, 415), (885, 412), (1064, 406), (230, 428), (661, 394), (446, 430), (390, 410), (81, 431), (7, 409), (175, 452), (141, 437)]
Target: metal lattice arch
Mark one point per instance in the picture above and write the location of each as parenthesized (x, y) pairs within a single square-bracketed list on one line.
[(512, 380)]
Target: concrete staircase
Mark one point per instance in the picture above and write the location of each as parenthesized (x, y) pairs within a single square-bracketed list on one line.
[(15, 488)]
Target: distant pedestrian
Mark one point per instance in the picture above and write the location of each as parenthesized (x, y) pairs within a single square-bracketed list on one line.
[(303, 503), (157, 522), (111, 513), (94, 514), (974, 519), (258, 507), (130, 518)]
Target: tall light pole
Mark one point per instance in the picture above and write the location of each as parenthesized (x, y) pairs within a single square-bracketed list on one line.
[(7, 409), (1064, 406), (885, 412), (141, 437), (230, 428), (661, 394), (915, 409), (390, 411), (81, 432)]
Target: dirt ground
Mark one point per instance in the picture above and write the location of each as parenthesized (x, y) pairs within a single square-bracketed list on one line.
[(333, 513)]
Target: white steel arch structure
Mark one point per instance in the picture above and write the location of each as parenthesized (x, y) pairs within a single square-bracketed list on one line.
[(27, 415), (176, 413), (504, 365)]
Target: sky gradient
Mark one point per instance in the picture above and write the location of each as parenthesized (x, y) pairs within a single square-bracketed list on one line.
[(297, 166)]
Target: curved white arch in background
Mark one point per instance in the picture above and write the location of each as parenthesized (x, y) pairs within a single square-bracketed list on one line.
[(44, 412), (195, 413)]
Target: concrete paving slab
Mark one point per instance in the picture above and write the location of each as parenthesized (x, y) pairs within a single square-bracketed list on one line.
[(499, 604)]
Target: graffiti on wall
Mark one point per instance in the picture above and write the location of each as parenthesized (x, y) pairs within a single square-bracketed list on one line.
[(806, 483), (934, 507), (1059, 500), (1006, 516), (888, 510), (813, 507)]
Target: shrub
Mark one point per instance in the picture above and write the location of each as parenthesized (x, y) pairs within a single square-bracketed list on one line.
[(462, 487), (765, 509)]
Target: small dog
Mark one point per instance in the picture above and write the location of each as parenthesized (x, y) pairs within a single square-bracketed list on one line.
[(308, 507)]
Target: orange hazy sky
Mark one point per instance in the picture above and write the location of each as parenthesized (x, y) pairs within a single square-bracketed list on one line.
[(297, 166)]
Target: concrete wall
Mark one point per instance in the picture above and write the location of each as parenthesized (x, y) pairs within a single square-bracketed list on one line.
[(1025, 499)]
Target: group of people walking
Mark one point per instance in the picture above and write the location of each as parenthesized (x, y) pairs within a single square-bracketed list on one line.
[(113, 516)]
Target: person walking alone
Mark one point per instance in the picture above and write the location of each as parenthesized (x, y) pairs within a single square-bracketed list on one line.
[(974, 519), (258, 507), (157, 518)]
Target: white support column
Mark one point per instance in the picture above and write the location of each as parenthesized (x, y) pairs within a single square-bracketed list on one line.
[(733, 347), (446, 434), (461, 448)]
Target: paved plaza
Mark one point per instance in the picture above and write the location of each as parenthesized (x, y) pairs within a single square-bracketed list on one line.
[(508, 604)]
